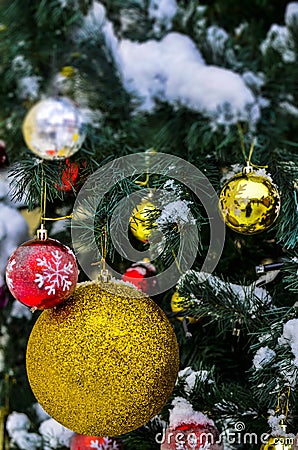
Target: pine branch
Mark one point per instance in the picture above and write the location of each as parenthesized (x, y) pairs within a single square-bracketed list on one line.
[(286, 174), (290, 268)]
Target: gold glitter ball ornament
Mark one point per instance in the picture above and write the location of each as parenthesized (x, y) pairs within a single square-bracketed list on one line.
[(249, 202), (141, 222), (105, 362)]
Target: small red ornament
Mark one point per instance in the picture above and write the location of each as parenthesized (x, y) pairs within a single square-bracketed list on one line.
[(70, 176), (139, 274), (192, 436), (81, 442), (189, 429), (42, 273)]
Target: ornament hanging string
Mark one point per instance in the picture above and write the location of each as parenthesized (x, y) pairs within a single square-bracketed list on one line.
[(104, 274), (187, 333), (144, 183), (150, 152), (177, 262), (103, 239), (283, 401), (43, 203), (241, 136), (251, 150), (4, 410), (248, 158), (43, 197)]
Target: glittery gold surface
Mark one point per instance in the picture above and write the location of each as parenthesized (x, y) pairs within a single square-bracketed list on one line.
[(140, 223), (104, 362), (249, 203), (177, 306)]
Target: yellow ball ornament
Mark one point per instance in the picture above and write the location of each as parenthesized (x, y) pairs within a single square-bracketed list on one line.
[(177, 307), (249, 202), (141, 224), (105, 362)]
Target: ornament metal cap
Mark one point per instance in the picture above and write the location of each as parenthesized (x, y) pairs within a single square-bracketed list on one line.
[(42, 233), (104, 276), (248, 168)]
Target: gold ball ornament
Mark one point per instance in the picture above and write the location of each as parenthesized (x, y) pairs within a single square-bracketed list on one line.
[(249, 202), (105, 362), (141, 224), (177, 306), (54, 128)]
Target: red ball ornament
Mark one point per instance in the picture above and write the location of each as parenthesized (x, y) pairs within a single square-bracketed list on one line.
[(81, 442), (192, 436), (42, 273), (189, 429), (140, 274)]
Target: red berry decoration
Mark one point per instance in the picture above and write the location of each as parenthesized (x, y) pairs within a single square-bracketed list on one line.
[(42, 273), (81, 442), (139, 274), (70, 176)]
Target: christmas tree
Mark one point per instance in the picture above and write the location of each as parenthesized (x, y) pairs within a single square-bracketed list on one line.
[(156, 139)]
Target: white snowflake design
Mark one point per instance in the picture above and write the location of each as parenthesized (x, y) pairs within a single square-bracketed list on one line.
[(10, 268), (53, 276), (108, 444)]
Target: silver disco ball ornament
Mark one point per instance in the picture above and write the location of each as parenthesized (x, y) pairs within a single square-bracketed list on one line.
[(54, 128)]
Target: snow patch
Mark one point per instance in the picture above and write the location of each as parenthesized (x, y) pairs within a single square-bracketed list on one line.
[(190, 377), (162, 13), (174, 71), (263, 356), (281, 40), (55, 435), (290, 337), (217, 38), (176, 212), (183, 413), (28, 87), (291, 15), (20, 311)]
